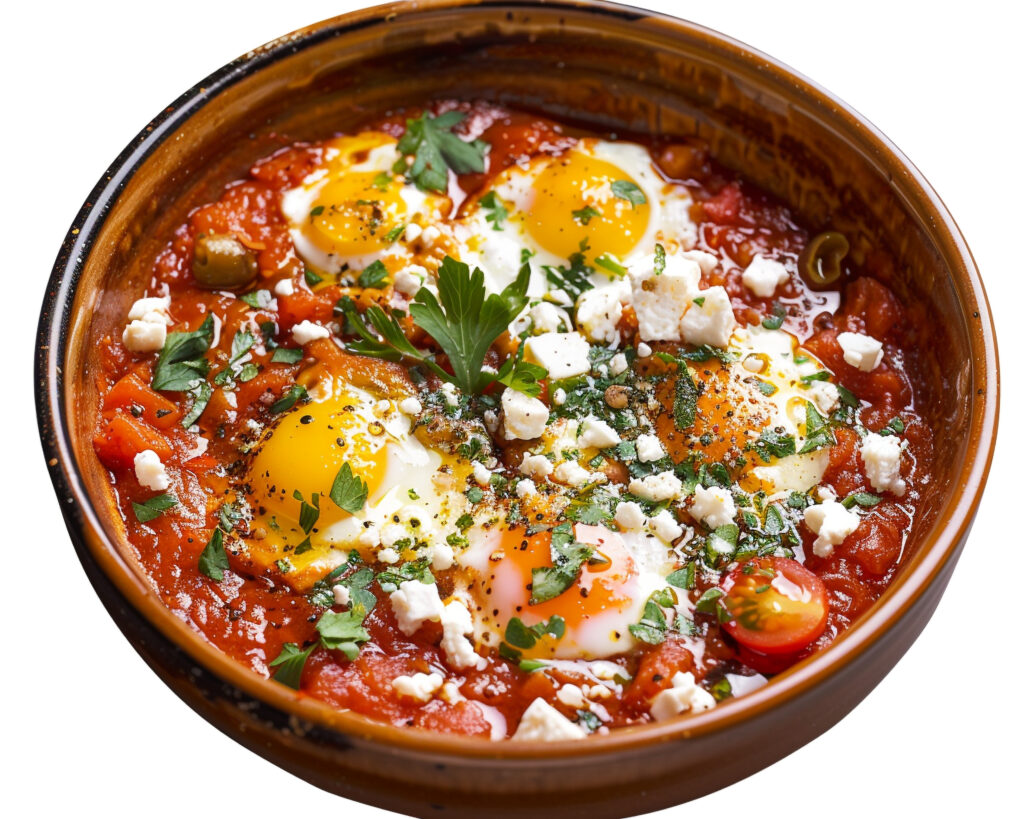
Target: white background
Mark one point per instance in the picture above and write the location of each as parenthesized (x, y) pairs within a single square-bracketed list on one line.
[(88, 724)]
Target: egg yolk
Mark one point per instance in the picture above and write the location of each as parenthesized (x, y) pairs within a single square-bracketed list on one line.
[(603, 590), (304, 452), (353, 213), (573, 202)]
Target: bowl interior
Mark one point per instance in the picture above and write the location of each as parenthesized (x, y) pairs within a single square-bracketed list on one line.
[(608, 68)]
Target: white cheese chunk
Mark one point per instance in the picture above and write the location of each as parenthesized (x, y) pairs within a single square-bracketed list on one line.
[(563, 355), (389, 556), (412, 232), (618, 365), (536, 466), (825, 394), (544, 723), (559, 396), (341, 594), (457, 622), (153, 308), (442, 556), (665, 526), (525, 417), (481, 474), (547, 318), (643, 349), (572, 474), (414, 603), (419, 687), (285, 287), (763, 275), (861, 351), (629, 515), (649, 448), (598, 313), (571, 695), (660, 300), (684, 695), (306, 331), (707, 261), (710, 319), (410, 406), (150, 471), (660, 487), (832, 523), (714, 507), (597, 433), (525, 488), (881, 454), (409, 279), (142, 336)]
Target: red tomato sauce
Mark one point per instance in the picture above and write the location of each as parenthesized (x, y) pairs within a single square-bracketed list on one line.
[(251, 615)]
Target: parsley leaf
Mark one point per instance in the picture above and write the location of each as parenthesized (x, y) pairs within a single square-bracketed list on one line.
[(775, 320), (772, 444), (585, 214), (213, 561), (343, 631), (653, 625), (865, 499), (520, 375), (349, 491), (466, 321), (818, 433), (498, 212), (624, 189), (437, 149), (295, 394), (659, 259), (182, 362), (568, 556), (573, 279), (376, 275), (287, 355), (257, 299), (290, 664), (154, 507), (520, 636), (894, 427), (309, 513)]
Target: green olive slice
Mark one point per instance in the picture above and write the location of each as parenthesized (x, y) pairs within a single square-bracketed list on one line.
[(222, 262), (820, 262)]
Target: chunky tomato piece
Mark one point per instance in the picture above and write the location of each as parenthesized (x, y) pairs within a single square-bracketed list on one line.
[(777, 605)]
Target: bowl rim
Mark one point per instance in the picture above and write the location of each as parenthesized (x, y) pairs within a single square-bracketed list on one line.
[(87, 532)]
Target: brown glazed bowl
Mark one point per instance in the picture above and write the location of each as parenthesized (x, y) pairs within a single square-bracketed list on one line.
[(615, 69)]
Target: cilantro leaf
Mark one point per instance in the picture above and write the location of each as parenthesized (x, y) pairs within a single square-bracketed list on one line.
[(865, 499), (390, 342), (295, 394), (213, 561), (376, 275), (775, 320), (467, 321), (520, 375), (585, 214), (772, 444), (575, 278), (659, 259), (498, 212), (624, 189), (343, 631), (182, 361), (818, 433), (154, 507), (287, 355), (568, 556), (436, 149), (290, 664), (349, 491)]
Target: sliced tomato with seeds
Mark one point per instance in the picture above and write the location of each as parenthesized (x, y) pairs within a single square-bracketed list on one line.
[(777, 605)]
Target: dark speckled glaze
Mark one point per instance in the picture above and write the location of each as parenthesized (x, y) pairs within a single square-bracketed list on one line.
[(613, 68)]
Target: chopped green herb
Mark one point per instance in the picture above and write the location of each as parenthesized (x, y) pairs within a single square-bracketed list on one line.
[(257, 299), (865, 499), (290, 663), (894, 427), (683, 578), (295, 394), (818, 433), (776, 319), (395, 233), (624, 189), (498, 213), (772, 444), (520, 375), (154, 507), (312, 278), (611, 264), (436, 148), (585, 214), (659, 259), (568, 557), (287, 355), (182, 362), (349, 491), (213, 561), (343, 631), (319, 209), (376, 275)]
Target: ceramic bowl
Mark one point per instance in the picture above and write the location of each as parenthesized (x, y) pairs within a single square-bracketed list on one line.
[(614, 69)]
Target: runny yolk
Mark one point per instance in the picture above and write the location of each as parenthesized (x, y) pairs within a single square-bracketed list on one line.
[(573, 202)]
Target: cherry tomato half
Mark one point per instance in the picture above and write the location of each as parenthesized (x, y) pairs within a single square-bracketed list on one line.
[(777, 606)]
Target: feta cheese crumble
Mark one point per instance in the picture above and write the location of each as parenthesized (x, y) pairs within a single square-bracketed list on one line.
[(419, 687), (150, 471), (684, 695), (660, 487), (710, 319), (597, 433), (536, 466), (714, 507), (661, 299), (832, 523), (763, 275), (543, 722), (414, 603), (861, 351), (306, 331), (649, 448), (525, 417), (563, 355), (881, 454)]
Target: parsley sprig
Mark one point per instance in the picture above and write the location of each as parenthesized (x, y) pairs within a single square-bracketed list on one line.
[(436, 149)]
